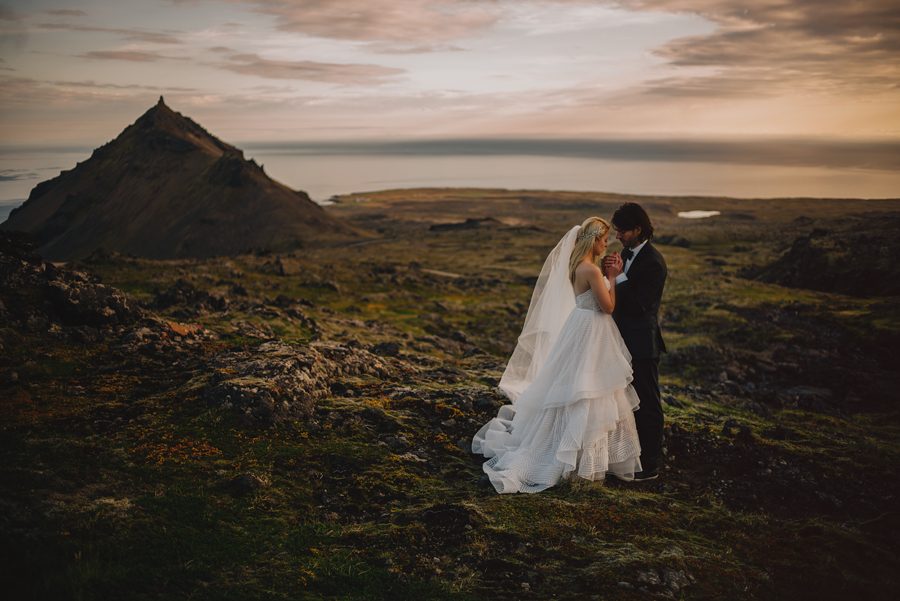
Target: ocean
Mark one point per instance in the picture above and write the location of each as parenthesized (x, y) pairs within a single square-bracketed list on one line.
[(325, 170)]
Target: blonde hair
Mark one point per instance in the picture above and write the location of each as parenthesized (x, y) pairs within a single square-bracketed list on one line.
[(590, 229)]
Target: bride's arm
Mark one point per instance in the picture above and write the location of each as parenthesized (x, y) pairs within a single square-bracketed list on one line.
[(605, 298)]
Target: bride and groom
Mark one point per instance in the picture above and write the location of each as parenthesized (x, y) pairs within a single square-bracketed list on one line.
[(584, 377)]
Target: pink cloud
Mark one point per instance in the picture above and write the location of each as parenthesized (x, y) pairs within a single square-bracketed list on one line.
[(66, 12), (121, 55), (128, 34), (768, 45), (350, 74), (418, 24)]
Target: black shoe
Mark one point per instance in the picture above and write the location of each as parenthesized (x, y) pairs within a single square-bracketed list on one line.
[(646, 475)]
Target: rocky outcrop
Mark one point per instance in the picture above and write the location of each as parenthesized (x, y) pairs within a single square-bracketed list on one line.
[(277, 381), (863, 262), (43, 298)]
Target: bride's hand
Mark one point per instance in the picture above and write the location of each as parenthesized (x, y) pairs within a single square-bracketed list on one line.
[(612, 265)]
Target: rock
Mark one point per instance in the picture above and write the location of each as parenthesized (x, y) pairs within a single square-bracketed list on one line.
[(246, 483), (811, 397), (253, 330), (459, 336), (397, 442), (85, 334), (783, 433), (373, 414), (464, 445), (762, 475), (448, 374), (184, 294), (387, 349), (648, 577), (473, 351), (670, 400), (278, 382), (443, 344), (487, 404), (675, 581)]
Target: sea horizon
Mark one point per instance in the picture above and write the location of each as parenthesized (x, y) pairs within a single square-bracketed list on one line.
[(766, 169)]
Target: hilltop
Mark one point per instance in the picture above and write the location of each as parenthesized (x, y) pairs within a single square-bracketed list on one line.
[(165, 188)]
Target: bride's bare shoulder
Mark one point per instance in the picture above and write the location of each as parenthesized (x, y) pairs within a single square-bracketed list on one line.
[(586, 267)]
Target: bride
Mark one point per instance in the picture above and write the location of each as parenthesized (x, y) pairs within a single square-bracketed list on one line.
[(569, 378)]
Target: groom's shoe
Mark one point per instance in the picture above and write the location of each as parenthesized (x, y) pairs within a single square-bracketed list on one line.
[(646, 475), (623, 477)]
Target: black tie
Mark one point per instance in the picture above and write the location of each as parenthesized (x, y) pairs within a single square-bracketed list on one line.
[(627, 254)]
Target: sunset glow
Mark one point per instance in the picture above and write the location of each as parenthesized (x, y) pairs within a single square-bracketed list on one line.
[(346, 70)]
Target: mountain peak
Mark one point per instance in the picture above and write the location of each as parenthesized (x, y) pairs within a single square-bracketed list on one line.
[(166, 188)]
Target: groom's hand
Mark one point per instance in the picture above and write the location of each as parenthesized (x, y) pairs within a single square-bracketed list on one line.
[(612, 265), (618, 266)]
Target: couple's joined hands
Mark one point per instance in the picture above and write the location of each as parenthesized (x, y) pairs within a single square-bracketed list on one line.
[(612, 265)]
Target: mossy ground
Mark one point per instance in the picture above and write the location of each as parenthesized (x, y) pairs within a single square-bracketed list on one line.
[(116, 475)]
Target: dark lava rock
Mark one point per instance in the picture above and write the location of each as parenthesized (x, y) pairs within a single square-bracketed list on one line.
[(246, 483), (277, 382), (448, 374), (387, 349), (862, 262), (67, 298), (184, 294), (260, 331)]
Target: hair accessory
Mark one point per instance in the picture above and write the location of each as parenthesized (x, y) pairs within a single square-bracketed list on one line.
[(590, 234)]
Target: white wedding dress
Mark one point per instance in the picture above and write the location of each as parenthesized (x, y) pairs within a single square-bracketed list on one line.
[(570, 382)]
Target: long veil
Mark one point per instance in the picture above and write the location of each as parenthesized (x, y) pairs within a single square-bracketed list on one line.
[(552, 301)]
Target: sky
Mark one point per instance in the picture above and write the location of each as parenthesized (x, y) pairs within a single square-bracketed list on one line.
[(80, 71)]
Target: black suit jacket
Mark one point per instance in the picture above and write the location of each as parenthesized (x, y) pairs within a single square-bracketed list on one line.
[(637, 304)]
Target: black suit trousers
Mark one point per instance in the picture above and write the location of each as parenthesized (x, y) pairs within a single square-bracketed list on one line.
[(649, 418)]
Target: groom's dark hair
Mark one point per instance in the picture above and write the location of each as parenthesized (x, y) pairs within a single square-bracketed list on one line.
[(631, 216)]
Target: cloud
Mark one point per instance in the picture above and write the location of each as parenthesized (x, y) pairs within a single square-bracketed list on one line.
[(112, 86), (129, 34), (799, 46), (423, 25), (8, 14), (123, 55), (348, 74), (387, 48), (66, 12), (15, 175)]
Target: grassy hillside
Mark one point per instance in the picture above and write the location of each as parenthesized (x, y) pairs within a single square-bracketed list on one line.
[(296, 426)]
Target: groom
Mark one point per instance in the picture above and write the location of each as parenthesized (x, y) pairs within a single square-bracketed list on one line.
[(639, 291)]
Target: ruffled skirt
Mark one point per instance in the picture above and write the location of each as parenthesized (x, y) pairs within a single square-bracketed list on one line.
[(576, 417)]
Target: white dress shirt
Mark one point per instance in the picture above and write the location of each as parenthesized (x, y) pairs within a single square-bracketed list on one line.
[(622, 277)]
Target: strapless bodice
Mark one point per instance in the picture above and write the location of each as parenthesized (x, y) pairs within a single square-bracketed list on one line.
[(586, 299)]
